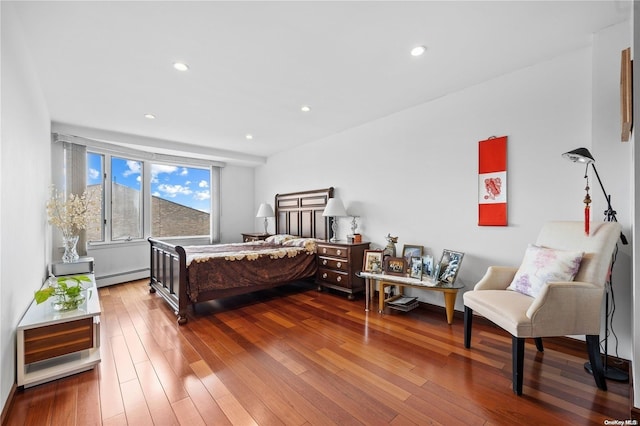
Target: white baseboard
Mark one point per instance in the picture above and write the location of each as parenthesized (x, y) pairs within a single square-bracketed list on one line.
[(123, 277)]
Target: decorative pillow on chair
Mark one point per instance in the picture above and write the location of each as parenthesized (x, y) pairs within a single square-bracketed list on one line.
[(541, 265)]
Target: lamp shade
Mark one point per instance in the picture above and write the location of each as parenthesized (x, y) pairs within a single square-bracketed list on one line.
[(265, 210), (579, 155), (334, 208)]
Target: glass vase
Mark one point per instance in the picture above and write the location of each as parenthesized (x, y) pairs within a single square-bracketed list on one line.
[(64, 302), (70, 252)]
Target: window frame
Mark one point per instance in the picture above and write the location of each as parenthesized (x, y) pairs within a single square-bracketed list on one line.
[(107, 151)]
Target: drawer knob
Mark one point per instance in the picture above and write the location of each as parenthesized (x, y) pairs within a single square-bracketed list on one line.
[(339, 279), (339, 252), (324, 275), (324, 261), (339, 264), (324, 250)]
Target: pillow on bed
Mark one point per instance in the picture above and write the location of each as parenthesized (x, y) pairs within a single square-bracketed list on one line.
[(541, 265), (308, 244), (279, 238)]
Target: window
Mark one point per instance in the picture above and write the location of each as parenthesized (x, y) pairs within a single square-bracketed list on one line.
[(180, 201), (95, 190), (126, 199), (163, 198)]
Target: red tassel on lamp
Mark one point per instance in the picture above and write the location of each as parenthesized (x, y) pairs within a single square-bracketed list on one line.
[(587, 201)]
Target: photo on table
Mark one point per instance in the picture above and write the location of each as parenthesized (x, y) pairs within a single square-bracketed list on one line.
[(395, 266), (427, 265), (449, 266), (409, 251), (415, 268), (373, 260)]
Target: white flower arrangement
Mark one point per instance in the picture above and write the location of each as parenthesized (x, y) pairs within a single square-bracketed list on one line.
[(72, 214)]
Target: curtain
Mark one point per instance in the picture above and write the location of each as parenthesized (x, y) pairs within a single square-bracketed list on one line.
[(75, 178)]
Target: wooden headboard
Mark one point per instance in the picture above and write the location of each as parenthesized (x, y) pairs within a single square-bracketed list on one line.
[(300, 213)]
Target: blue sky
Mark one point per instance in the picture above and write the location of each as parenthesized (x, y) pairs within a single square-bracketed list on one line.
[(188, 186)]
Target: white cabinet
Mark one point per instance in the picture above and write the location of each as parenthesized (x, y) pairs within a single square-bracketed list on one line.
[(53, 344)]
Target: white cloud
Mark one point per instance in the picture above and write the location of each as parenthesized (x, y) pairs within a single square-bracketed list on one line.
[(171, 191), (184, 171), (94, 174), (134, 168), (202, 195), (157, 169), (203, 184)]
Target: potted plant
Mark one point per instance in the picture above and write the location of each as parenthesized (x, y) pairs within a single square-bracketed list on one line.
[(68, 292)]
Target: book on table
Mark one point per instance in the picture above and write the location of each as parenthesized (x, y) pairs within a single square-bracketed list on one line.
[(404, 303)]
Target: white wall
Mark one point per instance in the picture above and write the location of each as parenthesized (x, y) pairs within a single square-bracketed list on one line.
[(635, 207), (414, 174), (25, 175), (237, 205)]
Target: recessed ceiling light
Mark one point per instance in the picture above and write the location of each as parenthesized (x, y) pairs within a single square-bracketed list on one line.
[(180, 66), (305, 108), (418, 50), (150, 116), (248, 136)]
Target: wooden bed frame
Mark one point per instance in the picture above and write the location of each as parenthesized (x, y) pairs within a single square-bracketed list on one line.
[(297, 213)]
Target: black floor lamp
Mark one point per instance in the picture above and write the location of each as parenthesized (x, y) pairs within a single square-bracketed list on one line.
[(582, 155)]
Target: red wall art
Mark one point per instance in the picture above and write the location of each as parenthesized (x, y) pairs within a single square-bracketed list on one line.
[(492, 182)]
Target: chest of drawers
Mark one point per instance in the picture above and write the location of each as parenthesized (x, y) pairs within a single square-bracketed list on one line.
[(338, 264)]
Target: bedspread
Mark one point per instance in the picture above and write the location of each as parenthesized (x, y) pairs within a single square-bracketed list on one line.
[(223, 266)]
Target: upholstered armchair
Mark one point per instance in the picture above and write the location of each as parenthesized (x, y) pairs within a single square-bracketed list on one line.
[(541, 298)]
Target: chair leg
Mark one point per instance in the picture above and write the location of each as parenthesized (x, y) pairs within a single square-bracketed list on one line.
[(539, 346), (468, 322), (517, 349), (593, 348)]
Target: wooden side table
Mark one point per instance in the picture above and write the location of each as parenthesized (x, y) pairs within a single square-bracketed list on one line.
[(53, 344), (449, 291)]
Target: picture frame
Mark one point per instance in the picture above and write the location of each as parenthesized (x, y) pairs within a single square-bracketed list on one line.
[(448, 266), (415, 268), (409, 251), (626, 94), (373, 261), (427, 265), (395, 266)]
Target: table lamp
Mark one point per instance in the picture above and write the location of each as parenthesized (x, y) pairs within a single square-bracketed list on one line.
[(265, 211), (334, 209)]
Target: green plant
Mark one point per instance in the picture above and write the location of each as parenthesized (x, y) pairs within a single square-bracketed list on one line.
[(67, 290)]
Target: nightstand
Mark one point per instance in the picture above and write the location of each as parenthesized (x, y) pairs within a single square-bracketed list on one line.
[(338, 263), (254, 237)]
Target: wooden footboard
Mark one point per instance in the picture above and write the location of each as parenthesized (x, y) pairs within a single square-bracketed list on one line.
[(297, 213), (169, 276)]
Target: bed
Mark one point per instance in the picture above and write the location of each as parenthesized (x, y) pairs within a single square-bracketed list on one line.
[(185, 274)]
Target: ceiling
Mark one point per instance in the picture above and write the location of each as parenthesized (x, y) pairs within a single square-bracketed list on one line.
[(252, 65)]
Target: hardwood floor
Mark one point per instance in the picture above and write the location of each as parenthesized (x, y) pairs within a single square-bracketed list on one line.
[(296, 356)]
